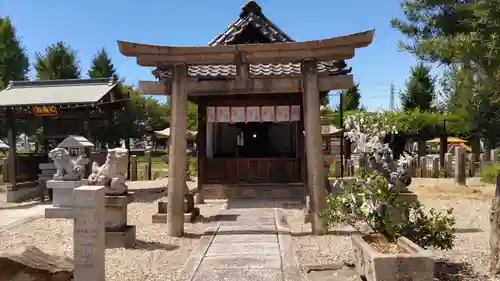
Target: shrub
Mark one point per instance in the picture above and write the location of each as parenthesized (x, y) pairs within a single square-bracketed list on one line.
[(489, 173), (372, 198)]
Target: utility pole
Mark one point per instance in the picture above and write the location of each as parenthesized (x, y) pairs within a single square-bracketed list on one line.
[(391, 98)]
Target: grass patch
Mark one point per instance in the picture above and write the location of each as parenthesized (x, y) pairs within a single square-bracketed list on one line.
[(488, 173)]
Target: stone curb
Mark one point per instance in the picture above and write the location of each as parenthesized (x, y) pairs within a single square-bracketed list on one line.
[(198, 253), (290, 264), (19, 223)]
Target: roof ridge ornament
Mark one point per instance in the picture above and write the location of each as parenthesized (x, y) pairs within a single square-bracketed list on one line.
[(250, 7), (112, 80)]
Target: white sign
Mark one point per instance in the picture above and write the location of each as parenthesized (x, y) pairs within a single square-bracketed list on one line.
[(267, 114), (223, 114), (240, 114), (253, 114), (237, 114), (283, 113)]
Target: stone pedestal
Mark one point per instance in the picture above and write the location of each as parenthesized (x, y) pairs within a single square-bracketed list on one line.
[(62, 201), (118, 233), (190, 211), (406, 197)]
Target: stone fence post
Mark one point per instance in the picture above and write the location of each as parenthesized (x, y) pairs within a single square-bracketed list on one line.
[(88, 233), (448, 165), (133, 168), (460, 175), (494, 156)]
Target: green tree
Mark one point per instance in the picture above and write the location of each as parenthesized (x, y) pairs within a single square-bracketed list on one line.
[(58, 62), (351, 98), (460, 34), (419, 89), (14, 64), (101, 65)]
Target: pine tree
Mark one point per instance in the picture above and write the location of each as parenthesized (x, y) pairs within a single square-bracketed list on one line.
[(419, 89), (101, 65), (351, 98), (14, 64), (58, 62)]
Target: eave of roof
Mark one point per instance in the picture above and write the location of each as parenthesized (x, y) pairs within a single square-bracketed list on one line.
[(56, 92)]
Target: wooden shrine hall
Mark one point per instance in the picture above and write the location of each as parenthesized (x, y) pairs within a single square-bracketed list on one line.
[(63, 107), (258, 94)]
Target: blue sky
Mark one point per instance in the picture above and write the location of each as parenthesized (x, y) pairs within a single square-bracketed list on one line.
[(91, 24)]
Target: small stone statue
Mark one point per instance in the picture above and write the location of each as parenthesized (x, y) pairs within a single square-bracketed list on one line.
[(67, 168), (112, 174), (396, 172)]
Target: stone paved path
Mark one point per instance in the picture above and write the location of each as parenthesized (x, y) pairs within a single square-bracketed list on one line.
[(246, 247)]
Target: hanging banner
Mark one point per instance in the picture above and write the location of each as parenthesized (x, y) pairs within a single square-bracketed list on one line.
[(223, 114), (283, 113), (253, 114), (237, 114), (241, 114), (267, 114)]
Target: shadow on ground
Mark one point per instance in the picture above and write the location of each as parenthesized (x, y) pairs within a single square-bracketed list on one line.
[(260, 203), (218, 218), (452, 271), (24, 205), (152, 246)]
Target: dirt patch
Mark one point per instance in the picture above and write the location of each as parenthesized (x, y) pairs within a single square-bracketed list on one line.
[(447, 189)]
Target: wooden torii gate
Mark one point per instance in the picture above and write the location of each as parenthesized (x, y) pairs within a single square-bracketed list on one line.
[(309, 83)]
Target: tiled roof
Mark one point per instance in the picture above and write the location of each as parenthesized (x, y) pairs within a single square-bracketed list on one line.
[(265, 69), (252, 17), (56, 92)]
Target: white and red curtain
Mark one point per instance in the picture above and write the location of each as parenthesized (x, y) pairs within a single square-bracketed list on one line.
[(245, 114)]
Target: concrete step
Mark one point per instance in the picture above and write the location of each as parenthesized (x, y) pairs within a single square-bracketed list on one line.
[(278, 191)]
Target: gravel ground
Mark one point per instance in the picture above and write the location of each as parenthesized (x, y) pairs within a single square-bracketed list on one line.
[(156, 256), (467, 261)]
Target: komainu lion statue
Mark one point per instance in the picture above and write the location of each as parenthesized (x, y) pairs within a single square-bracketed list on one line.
[(112, 174), (67, 168)]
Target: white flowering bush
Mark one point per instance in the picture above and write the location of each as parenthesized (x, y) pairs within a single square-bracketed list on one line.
[(371, 198)]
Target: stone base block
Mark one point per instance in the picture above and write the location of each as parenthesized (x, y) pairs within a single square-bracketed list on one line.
[(188, 217), (62, 192), (58, 213), (22, 192), (123, 238), (119, 200), (159, 218), (116, 210), (403, 198)]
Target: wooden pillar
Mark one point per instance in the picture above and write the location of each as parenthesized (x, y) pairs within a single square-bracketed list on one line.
[(177, 156), (202, 152), (11, 139), (313, 141)]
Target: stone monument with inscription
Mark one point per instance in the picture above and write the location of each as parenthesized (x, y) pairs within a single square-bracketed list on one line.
[(89, 234), (69, 161), (112, 175)]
